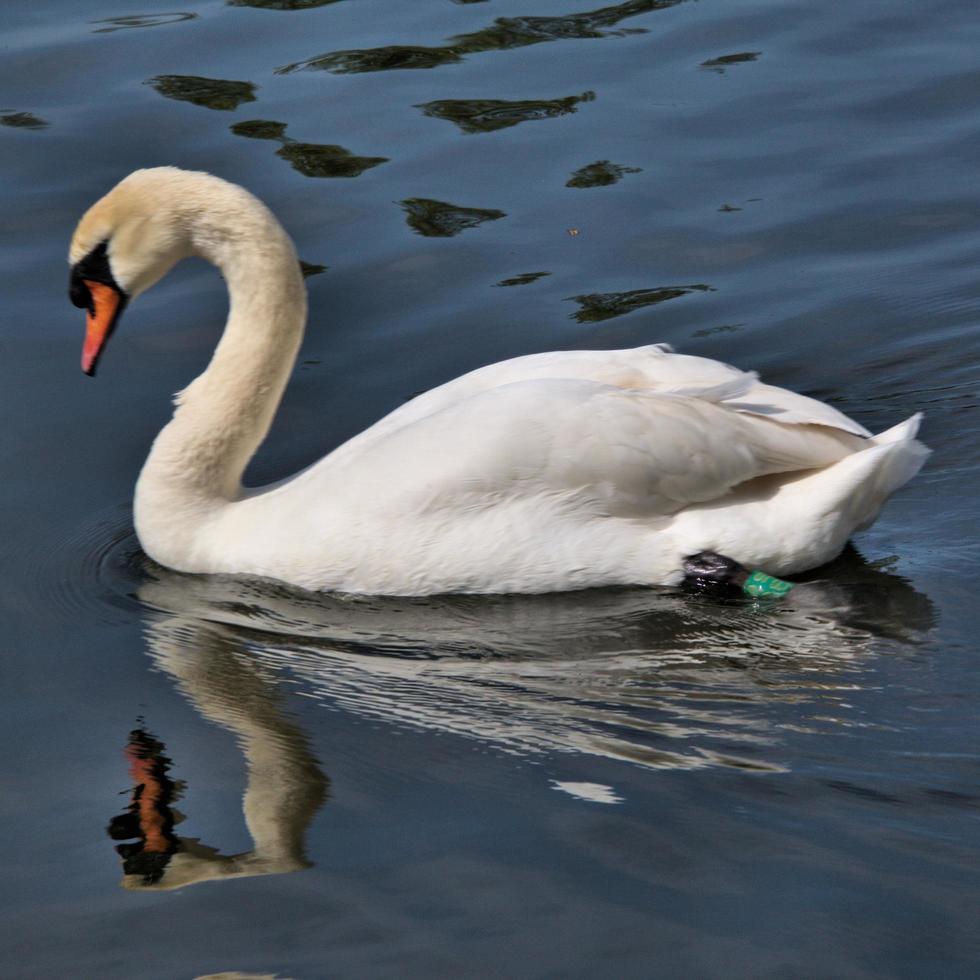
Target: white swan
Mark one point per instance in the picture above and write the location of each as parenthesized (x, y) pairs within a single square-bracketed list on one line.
[(548, 472)]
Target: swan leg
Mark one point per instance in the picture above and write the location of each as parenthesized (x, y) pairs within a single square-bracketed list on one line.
[(708, 568)]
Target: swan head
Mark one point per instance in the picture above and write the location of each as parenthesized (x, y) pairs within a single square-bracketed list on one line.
[(125, 242)]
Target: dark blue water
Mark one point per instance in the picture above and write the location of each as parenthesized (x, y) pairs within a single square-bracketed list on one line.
[(616, 784)]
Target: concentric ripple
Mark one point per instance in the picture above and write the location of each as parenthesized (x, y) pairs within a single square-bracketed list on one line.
[(92, 574)]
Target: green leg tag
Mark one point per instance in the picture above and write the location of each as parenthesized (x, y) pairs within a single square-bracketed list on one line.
[(760, 584)]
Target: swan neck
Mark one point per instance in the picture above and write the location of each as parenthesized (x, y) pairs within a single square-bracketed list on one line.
[(222, 417)]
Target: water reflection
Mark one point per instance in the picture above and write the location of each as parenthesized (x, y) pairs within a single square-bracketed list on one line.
[(285, 786), (488, 115), (322, 160), (22, 120), (149, 819), (505, 34), (310, 159), (311, 268), (212, 93), (602, 173), (260, 129), (438, 219), (594, 307), (720, 64), (523, 279), (280, 4), (656, 678), (139, 20)]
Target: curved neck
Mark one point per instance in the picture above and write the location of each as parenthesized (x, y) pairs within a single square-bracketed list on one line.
[(285, 785), (222, 417)]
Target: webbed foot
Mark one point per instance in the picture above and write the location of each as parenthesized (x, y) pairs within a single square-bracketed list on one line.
[(708, 568)]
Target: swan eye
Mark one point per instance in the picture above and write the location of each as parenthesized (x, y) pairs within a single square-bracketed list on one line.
[(93, 268), (79, 294)]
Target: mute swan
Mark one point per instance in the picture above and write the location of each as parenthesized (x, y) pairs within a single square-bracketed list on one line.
[(542, 473)]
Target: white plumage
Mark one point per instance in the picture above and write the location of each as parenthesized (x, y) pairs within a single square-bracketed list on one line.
[(542, 473)]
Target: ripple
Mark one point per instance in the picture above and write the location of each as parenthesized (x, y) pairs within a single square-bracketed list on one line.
[(211, 93), (602, 173), (139, 20), (489, 115), (438, 219), (505, 34), (91, 575), (595, 307)]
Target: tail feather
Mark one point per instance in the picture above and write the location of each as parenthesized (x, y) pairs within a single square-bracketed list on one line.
[(892, 459)]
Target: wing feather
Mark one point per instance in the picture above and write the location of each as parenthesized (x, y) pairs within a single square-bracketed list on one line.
[(585, 445)]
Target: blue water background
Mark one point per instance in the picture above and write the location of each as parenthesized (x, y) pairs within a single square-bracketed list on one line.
[(769, 792)]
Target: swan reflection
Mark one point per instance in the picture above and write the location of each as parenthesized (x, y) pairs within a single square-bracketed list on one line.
[(284, 789), (658, 679)]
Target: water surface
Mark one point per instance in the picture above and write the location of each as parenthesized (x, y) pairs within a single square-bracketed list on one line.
[(625, 783)]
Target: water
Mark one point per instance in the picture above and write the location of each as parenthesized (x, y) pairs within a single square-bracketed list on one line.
[(619, 783)]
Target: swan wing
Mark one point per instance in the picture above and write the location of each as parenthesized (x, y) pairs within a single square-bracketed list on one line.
[(652, 369), (582, 445)]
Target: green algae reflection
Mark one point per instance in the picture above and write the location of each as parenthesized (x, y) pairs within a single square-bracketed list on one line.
[(488, 115), (130, 21), (280, 4), (599, 174), (322, 160), (22, 120), (260, 129), (310, 159), (311, 269), (726, 60), (437, 219), (505, 34), (524, 279), (595, 307), (212, 93)]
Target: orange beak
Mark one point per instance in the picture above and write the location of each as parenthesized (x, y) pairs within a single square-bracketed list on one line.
[(107, 304)]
